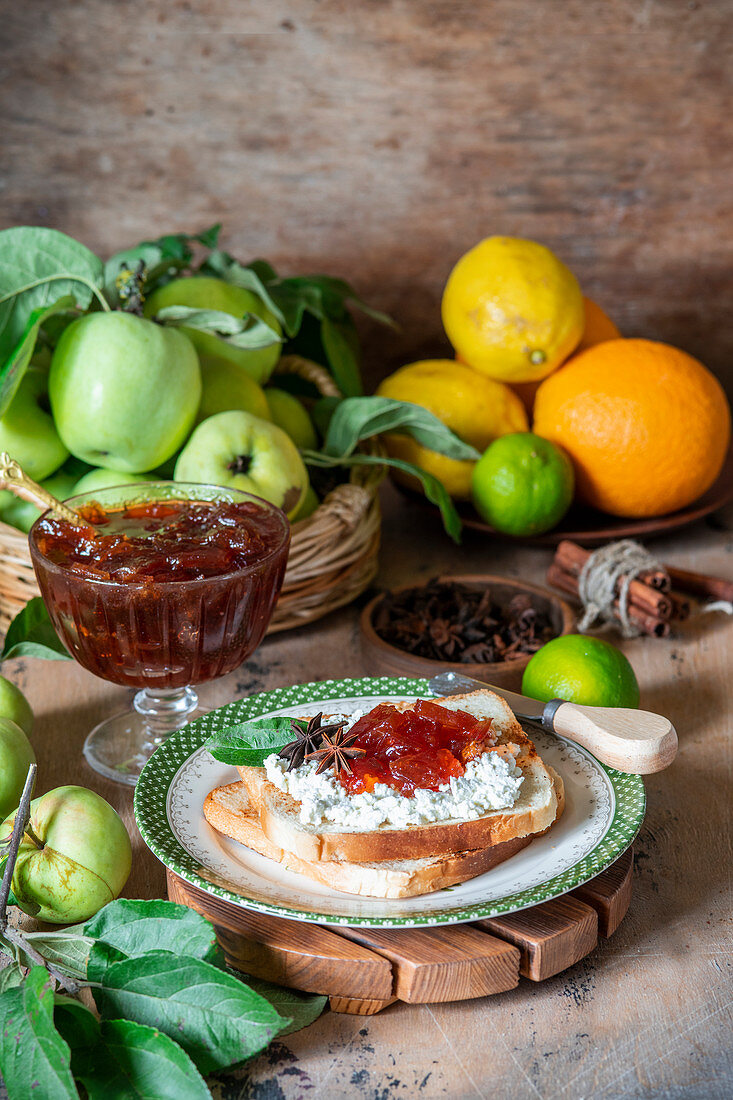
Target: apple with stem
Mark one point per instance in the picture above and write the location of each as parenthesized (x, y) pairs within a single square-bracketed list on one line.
[(205, 292), (124, 391), (241, 451), (75, 856)]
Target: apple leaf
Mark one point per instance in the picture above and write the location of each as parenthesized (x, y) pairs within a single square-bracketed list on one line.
[(342, 356), (358, 418), (15, 365), (120, 1060), (302, 1008), (37, 265), (223, 266), (217, 1019), (32, 634), (249, 331), (249, 743), (11, 975), (134, 927), (66, 951), (34, 1059)]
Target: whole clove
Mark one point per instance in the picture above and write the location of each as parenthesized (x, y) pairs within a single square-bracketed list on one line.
[(447, 621)]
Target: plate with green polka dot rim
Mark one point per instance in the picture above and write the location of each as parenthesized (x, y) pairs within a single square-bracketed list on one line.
[(604, 810)]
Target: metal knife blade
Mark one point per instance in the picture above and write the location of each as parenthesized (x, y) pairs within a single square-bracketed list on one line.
[(455, 683)]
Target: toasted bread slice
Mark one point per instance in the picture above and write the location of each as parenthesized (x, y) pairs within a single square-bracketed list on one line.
[(230, 812), (533, 812)]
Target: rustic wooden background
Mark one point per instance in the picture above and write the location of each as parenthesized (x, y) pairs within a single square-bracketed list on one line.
[(379, 139)]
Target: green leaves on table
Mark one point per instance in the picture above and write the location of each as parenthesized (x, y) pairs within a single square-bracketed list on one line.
[(248, 744), (134, 927), (34, 1058), (215, 1017), (248, 331), (122, 1060), (169, 1006), (32, 634)]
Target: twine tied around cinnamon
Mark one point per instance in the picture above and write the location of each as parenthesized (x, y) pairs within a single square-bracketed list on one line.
[(617, 564)]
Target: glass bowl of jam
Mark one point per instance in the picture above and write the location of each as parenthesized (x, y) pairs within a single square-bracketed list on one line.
[(167, 585)]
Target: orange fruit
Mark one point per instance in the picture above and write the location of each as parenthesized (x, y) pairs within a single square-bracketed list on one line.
[(646, 425), (598, 327)]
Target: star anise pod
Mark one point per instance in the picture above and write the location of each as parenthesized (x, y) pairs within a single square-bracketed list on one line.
[(336, 751), (307, 739)]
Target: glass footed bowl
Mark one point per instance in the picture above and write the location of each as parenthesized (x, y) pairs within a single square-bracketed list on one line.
[(160, 637)]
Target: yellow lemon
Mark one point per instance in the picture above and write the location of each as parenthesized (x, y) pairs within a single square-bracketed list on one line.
[(473, 406), (512, 309)]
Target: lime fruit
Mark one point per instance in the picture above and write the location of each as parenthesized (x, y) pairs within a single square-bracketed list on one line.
[(522, 484), (580, 669)]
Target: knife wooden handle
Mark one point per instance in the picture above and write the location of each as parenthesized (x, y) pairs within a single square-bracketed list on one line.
[(634, 741)]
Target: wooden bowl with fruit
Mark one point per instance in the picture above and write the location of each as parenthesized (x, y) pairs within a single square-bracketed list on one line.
[(483, 626)]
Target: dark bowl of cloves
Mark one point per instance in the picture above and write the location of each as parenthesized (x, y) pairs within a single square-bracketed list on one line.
[(482, 626)]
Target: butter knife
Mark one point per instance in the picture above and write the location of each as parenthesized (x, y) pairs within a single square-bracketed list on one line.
[(636, 741)]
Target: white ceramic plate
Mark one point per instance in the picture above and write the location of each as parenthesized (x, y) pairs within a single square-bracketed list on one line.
[(603, 813)]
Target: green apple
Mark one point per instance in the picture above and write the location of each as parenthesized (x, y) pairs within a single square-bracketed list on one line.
[(81, 862), (241, 451), (290, 415), (226, 386), (308, 505), (104, 478), (27, 430), (204, 292), (22, 514), (124, 391), (16, 756), (15, 706)]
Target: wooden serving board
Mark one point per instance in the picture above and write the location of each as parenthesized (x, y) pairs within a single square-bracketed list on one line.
[(362, 970)]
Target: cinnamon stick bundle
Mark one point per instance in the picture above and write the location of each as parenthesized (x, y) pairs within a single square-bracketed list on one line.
[(652, 603)]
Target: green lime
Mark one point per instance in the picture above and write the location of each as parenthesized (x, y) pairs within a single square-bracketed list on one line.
[(522, 484), (581, 670)]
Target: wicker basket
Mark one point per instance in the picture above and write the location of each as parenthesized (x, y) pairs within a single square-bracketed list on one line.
[(333, 553)]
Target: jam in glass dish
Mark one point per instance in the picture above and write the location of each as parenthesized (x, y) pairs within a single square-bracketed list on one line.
[(170, 585)]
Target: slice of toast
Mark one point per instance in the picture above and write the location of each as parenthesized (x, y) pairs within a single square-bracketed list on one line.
[(533, 812), (229, 811)]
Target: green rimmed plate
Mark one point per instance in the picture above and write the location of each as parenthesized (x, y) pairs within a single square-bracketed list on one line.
[(603, 813)]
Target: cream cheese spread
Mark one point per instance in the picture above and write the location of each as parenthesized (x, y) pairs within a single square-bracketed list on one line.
[(490, 782)]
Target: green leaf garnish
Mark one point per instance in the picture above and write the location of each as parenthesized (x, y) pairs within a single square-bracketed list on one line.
[(249, 743)]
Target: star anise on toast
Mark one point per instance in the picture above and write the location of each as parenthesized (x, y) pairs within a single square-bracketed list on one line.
[(336, 751), (308, 738)]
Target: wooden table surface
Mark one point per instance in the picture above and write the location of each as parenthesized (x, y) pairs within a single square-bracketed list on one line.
[(647, 1014)]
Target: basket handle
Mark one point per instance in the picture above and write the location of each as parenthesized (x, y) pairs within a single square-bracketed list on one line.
[(348, 503), (310, 372)]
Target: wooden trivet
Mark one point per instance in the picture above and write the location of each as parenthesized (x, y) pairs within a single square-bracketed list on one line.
[(362, 970)]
